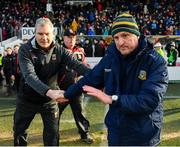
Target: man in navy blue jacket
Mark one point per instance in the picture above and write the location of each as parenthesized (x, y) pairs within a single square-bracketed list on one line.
[(135, 79)]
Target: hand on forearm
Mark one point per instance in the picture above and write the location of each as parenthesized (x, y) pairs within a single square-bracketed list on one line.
[(98, 94)]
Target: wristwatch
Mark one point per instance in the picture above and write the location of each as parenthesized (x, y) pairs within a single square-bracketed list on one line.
[(114, 98)]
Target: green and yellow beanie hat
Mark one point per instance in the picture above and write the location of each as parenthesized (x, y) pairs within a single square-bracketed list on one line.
[(125, 23)]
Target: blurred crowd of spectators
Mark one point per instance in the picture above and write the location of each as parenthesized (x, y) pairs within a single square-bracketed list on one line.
[(155, 17)]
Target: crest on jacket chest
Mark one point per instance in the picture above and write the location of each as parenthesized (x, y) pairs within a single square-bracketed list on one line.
[(142, 75)]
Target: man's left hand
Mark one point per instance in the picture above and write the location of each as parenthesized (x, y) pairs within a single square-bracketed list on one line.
[(106, 99)]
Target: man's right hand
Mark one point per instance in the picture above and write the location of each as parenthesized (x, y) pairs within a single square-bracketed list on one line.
[(54, 94)]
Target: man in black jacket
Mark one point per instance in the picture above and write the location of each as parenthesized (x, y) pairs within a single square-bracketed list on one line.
[(17, 73), (8, 64), (40, 61), (67, 77)]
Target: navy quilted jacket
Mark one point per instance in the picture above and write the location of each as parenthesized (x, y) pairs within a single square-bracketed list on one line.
[(140, 81)]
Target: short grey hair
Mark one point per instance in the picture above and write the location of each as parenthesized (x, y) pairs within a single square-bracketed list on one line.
[(43, 21)]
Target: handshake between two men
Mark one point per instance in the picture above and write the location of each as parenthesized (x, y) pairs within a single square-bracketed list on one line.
[(58, 95)]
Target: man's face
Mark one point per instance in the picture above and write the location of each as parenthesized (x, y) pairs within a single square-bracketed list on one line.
[(69, 41), (16, 49), (172, 47), (87, 41), (9, 51), (126, 42), (44, 35)]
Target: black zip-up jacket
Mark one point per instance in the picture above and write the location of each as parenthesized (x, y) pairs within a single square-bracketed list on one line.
[(40, 70), (67, 76), (16, 69), (7, 63)]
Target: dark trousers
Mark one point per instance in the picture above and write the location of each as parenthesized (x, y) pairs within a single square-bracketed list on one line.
[(8, 75), (16, 82), (81, 122), (8, 82), (25, 113)]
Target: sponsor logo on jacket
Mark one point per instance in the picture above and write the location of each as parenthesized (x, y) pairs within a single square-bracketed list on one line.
[(107, 70)]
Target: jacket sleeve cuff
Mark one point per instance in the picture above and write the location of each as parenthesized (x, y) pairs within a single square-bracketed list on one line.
[(45, 91), (117, 103)]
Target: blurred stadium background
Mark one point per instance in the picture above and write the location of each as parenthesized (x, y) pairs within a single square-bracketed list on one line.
[(159, 20)]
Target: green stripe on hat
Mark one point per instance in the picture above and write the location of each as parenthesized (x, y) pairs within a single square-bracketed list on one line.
[(125, 29), (124, 19), (125, 23), (125, 26)]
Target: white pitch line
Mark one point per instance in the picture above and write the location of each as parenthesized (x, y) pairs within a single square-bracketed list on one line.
[(171, 97), (170, 135), (6, 98), (68, 121)]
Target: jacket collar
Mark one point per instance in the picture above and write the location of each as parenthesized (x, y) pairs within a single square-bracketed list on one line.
[(143, 46), (36, 47)]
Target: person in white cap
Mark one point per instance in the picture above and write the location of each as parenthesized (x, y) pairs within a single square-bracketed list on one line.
[(172, 55), (158, 48)]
